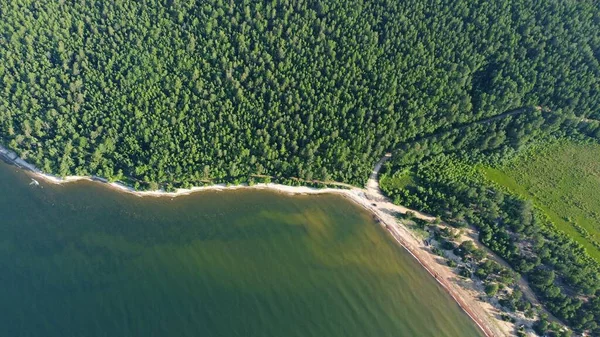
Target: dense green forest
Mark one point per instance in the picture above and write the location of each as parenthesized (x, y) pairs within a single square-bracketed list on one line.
[(179, 92), (449, 184)]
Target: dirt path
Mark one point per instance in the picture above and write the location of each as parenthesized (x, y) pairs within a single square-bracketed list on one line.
[(589, 120), (513, 112), (483, 314)]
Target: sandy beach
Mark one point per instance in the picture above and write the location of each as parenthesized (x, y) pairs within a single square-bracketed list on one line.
[(485, 316)]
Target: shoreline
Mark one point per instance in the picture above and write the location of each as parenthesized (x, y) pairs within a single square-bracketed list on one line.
[(12, 158), (369, 199)]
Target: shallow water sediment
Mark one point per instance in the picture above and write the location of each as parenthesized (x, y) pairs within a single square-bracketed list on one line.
[(81, 259)]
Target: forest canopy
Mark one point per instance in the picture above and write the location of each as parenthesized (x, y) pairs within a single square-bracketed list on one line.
[(180, 92)]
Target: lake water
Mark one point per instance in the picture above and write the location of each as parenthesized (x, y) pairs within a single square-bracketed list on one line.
[(83, 260)]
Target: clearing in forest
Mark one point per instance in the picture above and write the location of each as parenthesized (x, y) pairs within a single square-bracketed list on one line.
[(562, 179)]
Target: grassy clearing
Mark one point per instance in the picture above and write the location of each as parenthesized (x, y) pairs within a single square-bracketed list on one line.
[(398, 180), (563, 179)]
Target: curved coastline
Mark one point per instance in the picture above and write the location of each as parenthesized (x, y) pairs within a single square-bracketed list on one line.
[(370, 199)]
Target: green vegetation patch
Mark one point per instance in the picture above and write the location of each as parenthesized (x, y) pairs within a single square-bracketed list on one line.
[(563, 179), (398, 180), (558, 269)]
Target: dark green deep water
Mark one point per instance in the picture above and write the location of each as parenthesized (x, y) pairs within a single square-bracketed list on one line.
[(83, 260)]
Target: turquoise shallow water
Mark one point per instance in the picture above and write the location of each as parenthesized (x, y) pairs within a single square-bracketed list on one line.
[(83, 260)]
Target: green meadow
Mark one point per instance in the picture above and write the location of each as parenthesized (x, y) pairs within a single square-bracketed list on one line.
[(398, 180), (563, 180)]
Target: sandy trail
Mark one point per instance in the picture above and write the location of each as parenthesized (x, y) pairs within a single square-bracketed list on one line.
[(371, 198), (483, 314)]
